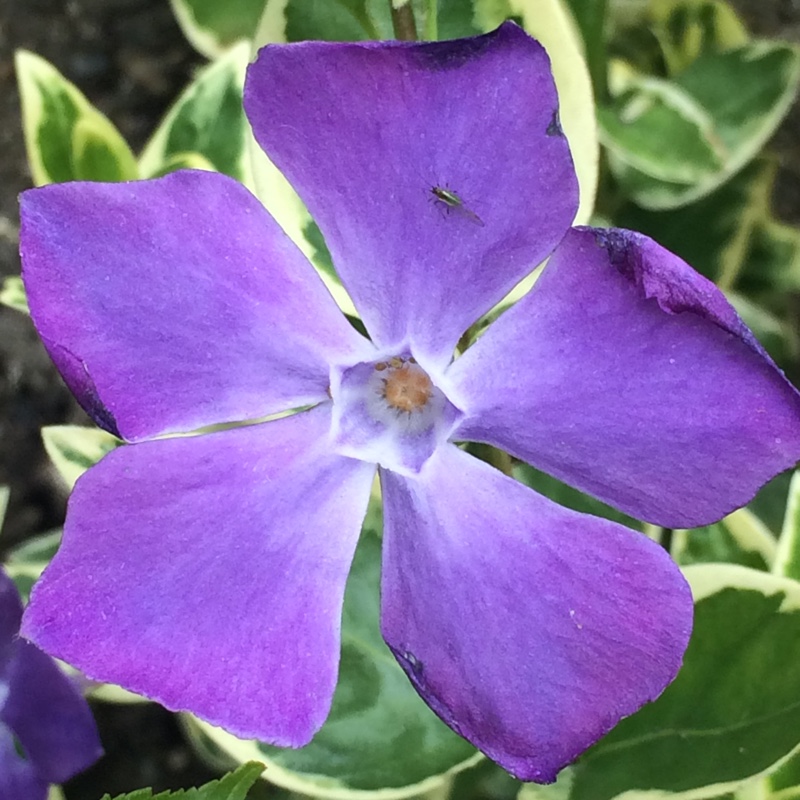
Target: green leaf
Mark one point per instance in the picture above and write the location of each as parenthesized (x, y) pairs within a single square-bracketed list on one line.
[(321, 255), (232, 787), (712, 234), (560, 790), (4, 495), (212, 26), (627, 13), (688, 28), (732, 713), (355, 20), (457, 18), (37, 549), (485, 781), (26, 562), (206, 122), (183, 161), (770, 502), (787, 558), (744, 93), (740, 538), (772, 257), (633, 49), (380, 737), (111, 693), (784, 783), (651, 112), (94, 157), (73, 449), (66, 137), (12, 294), (777, 336), (591, 18), (730, 234), (337, 20), (747, 92), (731, 237)]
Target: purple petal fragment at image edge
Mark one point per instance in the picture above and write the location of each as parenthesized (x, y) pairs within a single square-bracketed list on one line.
[(365, 131), (218, 565), (41, 711), (529, 628), (629, 376)]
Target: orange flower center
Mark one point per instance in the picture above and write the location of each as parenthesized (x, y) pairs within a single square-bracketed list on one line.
[(406, 387)]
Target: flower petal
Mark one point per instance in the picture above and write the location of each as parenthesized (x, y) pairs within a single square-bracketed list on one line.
[(365, 131), (49, 716), (18, 777), (175, 303), (530, 629), (208, 572), (629, 376), (42, 708)]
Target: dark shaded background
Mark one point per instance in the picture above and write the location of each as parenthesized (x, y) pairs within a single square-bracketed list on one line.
[(131, 60)]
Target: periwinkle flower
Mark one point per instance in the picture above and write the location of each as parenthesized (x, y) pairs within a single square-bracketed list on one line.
[(47, 732), (208, 571)]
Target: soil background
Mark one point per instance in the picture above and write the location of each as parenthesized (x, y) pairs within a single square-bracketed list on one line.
[(130, 58)]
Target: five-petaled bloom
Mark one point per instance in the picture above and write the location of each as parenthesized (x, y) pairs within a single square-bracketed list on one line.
[(47, 732), (176, 303)]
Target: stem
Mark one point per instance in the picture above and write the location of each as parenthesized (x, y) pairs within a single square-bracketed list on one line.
[(432, 21), (403, 22)]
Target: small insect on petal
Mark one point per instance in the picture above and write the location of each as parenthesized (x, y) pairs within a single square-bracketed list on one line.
[(452, 201)]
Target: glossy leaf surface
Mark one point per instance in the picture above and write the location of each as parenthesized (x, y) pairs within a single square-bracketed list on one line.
[(66, 137)]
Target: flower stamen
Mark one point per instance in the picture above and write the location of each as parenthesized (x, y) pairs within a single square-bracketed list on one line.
[(407, 388), (390, 411)]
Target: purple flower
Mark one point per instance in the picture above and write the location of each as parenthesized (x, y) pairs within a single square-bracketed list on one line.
[(47, 732), (208, 571)]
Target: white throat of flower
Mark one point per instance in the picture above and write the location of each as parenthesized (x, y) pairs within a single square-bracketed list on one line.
[(389, 411)]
